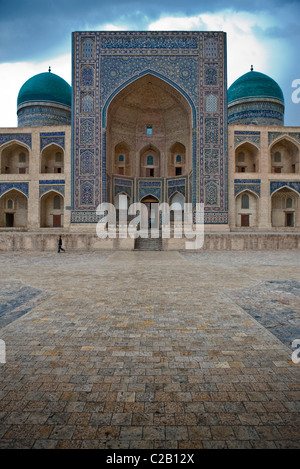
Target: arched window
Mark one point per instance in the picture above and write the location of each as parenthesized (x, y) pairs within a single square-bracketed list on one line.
[(178, 159), (121, 158), (10, 204), (150, 160), (22, 158), (289, 202), (245, 201), (277, 157), (87, 49), (241, 157), (56, 202), (58, 157)]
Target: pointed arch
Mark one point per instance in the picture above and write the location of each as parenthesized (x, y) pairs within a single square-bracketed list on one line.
[(51, 216), (157, 75), (13, 208), (247, 157), (10, 161), (287, 149), (49, 162)]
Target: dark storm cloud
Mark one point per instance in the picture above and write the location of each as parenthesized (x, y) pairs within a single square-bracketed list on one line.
[(35, 29)]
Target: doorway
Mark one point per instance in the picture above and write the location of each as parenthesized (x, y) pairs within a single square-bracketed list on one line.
[(9, 220), (245, 220), (150, 213), (289, 219), (56, 221)]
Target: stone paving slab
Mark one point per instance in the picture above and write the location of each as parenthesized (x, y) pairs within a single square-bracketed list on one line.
[(148, 350)]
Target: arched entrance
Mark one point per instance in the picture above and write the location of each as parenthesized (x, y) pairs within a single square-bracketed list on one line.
[(52, 210), (150, 213), (285, 208), (13, 209)]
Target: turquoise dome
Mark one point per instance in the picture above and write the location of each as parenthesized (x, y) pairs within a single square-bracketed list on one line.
[(45, 88), (254, 85)]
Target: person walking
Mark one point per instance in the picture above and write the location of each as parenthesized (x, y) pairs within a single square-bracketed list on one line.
[(60, 245)]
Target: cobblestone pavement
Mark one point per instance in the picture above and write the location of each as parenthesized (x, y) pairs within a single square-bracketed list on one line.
[(158, 350)]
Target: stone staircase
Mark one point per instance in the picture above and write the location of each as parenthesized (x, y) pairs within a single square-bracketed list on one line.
[(148, 244)]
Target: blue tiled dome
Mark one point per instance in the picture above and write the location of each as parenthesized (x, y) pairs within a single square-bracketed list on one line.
[(257, 99), (43, 100), (254, 85), (45, 87)]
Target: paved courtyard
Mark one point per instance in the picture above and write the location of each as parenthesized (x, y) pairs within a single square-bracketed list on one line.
[(149, 350)]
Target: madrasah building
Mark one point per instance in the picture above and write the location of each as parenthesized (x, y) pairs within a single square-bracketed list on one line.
[(149, 116)]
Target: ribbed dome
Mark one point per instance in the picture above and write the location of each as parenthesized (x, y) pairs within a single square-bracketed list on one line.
[(45, 88), (254, 85)]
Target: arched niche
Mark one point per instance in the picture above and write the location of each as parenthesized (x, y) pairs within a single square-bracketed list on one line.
[(13, 209), (247, 158), (52, 210), (122, 160), (285, 208), (52, 159), (177, 160), (284, 156), (246, 209), (150, 162), (14, 159)]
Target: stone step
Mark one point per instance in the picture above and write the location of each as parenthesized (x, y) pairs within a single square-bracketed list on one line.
[(148, 244)]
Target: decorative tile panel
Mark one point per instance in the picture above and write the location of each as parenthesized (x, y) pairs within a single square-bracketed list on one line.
[(275, 185), (21, 186), (22, 138), (46, 138), (241, 185)]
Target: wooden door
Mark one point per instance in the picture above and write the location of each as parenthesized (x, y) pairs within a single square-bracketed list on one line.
[(56, 221), (245, 220)]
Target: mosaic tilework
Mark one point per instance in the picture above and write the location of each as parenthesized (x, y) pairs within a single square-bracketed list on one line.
[(274, 135), (46, 138), (177, 185), (124, 186), (85, 216), (241, 185), (43, 188), (256, 113), (244, 136), (274, 185), (87, 162), (211, 193), (36, 116), (21, 186), (87, 75), (23, 138), (146, 187), (211, 161)]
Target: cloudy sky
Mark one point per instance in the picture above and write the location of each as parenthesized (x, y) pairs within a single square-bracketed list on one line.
[(37, 33)]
